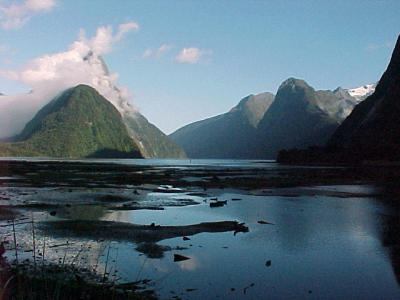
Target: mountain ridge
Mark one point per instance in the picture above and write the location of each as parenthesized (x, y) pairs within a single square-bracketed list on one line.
[(373, 121), (228, 135), (77, 123), (262, 139), (294, 119), (370, 132)]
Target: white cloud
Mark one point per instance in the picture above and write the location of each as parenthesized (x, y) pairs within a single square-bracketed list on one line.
[(150, 53), (16, 15), (125, 28), (191, 55), (50, 74), (163, 48)]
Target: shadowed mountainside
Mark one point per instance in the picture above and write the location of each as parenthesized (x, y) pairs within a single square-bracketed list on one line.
[(152, 142), (261, 125), (230, 135), (371, 132), (295, 119)]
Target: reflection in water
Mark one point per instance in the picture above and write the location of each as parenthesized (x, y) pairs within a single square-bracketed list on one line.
[(332, 243), (391, 240), (298, 229), (391, 226), (189, 265)]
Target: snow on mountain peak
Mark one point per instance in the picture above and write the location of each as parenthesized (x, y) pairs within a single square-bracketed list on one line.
[(362, 92)]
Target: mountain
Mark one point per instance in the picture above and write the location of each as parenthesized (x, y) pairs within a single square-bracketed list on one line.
[(362, 92), (229, 135), (152, 142), (373, 128), (148, 140), (78, 123), (261, 125), (370, 132), (299, 117)]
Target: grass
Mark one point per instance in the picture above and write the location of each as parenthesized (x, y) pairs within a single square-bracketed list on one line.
[(33, 279), (62, 282)]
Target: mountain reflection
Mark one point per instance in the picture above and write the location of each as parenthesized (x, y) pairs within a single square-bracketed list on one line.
[(391, 226)]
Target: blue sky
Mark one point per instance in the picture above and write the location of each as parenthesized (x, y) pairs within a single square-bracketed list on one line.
[(233, 48)]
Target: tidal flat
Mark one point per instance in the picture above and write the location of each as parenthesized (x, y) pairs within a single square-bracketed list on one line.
[(208, 229)]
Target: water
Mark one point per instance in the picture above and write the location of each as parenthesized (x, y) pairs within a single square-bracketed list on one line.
[(338, 242), (329, 246)]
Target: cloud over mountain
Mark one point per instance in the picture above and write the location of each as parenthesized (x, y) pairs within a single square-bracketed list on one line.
[(50, 74)]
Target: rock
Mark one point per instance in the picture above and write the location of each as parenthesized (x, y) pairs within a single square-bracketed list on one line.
[(218, 203), (265, 223), (53, 213), (185, 238), (268, 263), (178, 257)]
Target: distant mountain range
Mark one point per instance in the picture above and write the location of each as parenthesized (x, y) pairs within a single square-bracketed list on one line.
[(261, 125), (230, 135), (370, 132)]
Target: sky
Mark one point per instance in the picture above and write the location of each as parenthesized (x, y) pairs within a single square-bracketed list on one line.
[(180, 61)]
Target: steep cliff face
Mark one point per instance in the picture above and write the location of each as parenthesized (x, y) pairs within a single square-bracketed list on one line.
[(373, 128), (152, 142), (370, 132)]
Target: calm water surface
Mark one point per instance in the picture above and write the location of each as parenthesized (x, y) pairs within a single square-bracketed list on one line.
[(319, 246)]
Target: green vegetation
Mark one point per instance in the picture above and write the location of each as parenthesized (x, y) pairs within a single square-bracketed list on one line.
[(78, 123), (152, 142), (62, 282)]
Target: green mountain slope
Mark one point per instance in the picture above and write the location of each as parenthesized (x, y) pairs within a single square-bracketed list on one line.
[(152, 142), (78, 123), (230, 135)]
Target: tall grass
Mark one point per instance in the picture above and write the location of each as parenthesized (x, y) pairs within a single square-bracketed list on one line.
[(28, 280)]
